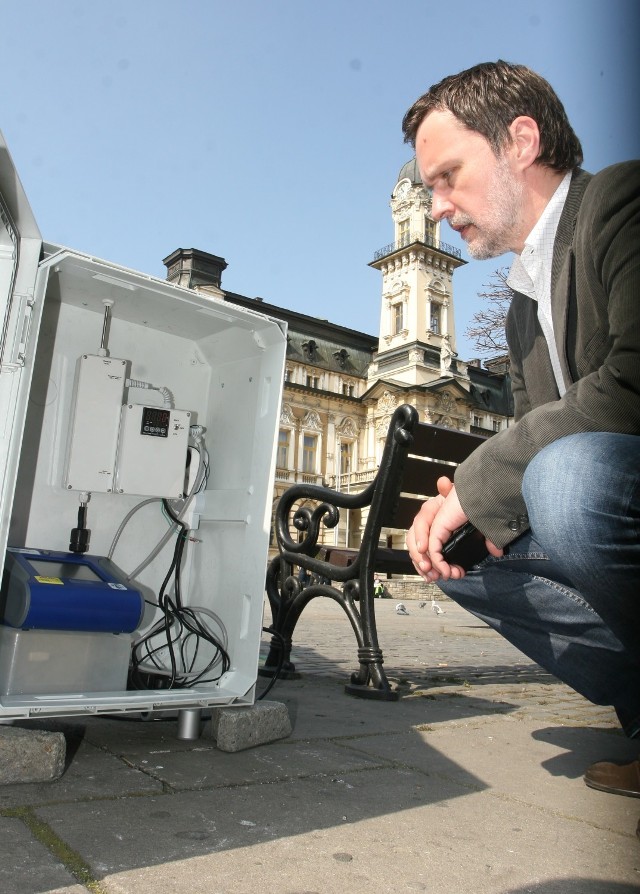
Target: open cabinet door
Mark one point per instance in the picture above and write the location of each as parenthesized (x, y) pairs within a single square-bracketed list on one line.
[(20, 247)]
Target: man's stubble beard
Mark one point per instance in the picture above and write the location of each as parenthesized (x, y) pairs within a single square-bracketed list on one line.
[(495, 228)]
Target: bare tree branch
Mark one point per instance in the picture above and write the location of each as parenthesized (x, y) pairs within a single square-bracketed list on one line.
[(487, 326)]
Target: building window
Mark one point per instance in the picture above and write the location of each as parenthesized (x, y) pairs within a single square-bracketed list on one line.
[(341, 357), (312, 381), (346, 456), (434, 322), (287, 375), (284, 441), (496, 425), (403, 232), (477, 422), (347, 389), (429, 231), (398, 318), (309, 453), (310, 349)]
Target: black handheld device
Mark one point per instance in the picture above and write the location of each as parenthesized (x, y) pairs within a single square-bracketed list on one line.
[(466, 547)]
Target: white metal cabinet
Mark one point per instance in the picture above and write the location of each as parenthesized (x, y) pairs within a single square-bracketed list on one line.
[(223, 364)]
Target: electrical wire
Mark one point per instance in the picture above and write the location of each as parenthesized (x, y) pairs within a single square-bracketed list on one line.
[(276, 673), (173, 632), (198, 483), (167, 396), (179, 626), (125, 521), (167, 654)]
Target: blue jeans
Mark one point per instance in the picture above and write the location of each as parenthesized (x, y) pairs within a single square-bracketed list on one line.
[(566, 593)]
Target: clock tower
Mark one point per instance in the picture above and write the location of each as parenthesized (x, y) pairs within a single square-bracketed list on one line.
[(417, 360), (417, 325)]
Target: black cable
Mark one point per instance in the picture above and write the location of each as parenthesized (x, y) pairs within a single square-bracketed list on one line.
[(178, 618), (280, 664)]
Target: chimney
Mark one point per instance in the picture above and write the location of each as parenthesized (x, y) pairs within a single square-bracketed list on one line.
[(195, 269)]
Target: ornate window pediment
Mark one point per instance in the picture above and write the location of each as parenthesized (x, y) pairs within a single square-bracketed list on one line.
[(348, 428), (399, 290), (286, 415), (438, 288), (311, 421)]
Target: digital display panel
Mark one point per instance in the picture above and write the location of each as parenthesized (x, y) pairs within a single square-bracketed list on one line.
[(64, 570), (155, 422)]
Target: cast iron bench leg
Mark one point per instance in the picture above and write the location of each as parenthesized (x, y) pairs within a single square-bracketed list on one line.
[(370, 681), (287, 603)]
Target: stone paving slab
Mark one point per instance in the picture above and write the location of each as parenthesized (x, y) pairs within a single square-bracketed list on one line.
[(91, 773), (518, 760), (396, 829), (206, 767), (31, 868), (321, 712)]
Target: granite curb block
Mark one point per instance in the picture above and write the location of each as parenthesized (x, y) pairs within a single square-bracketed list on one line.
[(30, 755), (236, 729)]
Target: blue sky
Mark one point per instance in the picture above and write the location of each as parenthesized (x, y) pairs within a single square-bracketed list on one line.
[(269, 132)]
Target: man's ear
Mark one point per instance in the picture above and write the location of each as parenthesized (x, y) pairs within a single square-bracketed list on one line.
[(525, 136)]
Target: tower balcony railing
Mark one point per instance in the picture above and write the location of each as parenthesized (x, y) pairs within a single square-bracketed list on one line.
[(428, 241)]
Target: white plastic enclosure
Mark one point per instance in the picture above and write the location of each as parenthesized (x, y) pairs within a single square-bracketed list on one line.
[(224, 367)]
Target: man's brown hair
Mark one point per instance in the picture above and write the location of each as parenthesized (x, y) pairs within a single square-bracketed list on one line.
[(488, 97)]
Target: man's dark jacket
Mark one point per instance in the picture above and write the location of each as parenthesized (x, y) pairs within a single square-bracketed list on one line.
[(595, 298)]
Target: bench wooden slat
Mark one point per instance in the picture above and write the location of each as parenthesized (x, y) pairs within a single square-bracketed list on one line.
[(388, 561), (443, 443), (420, 476), (406, 511)]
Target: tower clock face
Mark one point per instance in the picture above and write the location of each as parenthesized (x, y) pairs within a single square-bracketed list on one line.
[(402, 189)]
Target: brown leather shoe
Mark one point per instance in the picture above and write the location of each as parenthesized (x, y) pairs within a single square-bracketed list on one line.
[(619, 779)]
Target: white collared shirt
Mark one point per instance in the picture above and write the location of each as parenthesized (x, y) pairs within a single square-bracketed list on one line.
[(530, 272)]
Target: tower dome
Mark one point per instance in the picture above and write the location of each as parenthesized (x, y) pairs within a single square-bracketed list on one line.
[(409, 171)]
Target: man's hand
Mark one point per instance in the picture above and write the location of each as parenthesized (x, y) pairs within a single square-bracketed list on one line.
[(438, 518), (436, 521)]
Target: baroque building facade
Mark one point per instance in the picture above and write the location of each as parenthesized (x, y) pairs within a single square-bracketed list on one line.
[(341, 386)]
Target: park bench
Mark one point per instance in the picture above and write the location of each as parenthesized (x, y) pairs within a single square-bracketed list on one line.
[(415, 455)]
